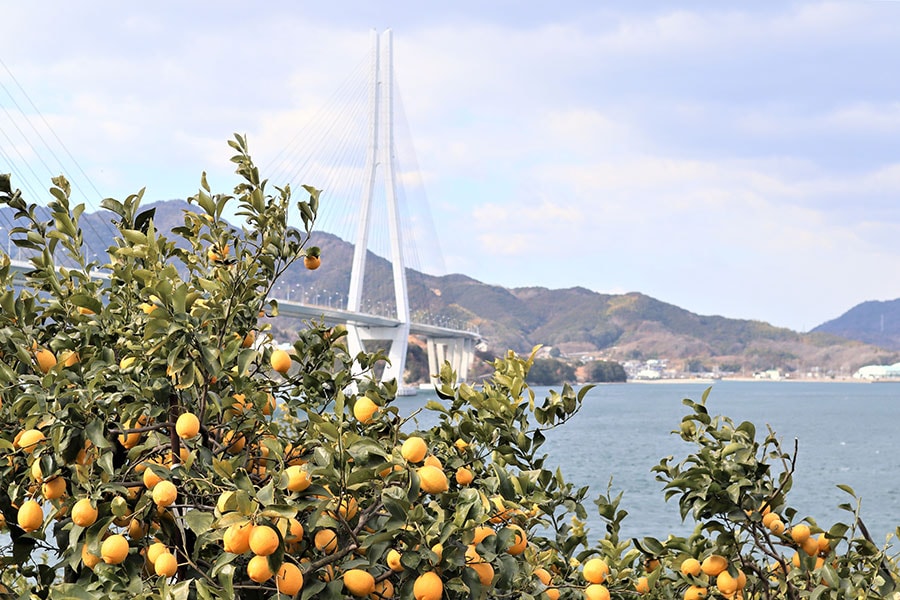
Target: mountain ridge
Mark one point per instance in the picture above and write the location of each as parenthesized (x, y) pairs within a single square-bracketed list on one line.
[(875, 322), (577, 321)]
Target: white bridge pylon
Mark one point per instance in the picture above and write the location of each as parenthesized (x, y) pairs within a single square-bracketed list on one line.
[(380, 156)]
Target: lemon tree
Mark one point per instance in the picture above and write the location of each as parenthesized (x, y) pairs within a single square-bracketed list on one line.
[(154, 443)]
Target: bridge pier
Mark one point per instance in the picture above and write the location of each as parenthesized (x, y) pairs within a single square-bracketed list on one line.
[(459, 351), (398, 337), (444, 343)]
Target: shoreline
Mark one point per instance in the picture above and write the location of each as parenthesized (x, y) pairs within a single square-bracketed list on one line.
[(711, 381)]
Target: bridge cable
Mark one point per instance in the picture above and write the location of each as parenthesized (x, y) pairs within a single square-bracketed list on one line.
[(49, 149)]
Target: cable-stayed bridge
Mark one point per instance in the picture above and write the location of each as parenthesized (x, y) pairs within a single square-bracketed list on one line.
[(364, 188)]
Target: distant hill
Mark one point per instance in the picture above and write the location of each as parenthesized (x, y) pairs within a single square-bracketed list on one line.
[(873, 322), (577, 321)]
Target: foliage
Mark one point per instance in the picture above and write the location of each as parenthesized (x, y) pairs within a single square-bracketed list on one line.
[(736, 488), (315, 461), (607, 371), (550, 371)]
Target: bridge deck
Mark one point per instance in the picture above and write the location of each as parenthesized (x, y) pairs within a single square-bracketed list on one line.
[(298, 310)]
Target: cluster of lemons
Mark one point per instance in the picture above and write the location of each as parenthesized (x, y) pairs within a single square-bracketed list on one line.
[(256, 537), (728, 580), (260, 538), (716, 569)]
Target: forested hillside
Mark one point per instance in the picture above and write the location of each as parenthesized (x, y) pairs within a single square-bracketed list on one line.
[(578, 321)]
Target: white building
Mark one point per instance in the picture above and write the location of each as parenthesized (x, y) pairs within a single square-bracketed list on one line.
[(878, 372)]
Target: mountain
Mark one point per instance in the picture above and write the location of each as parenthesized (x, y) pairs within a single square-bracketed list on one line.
[(576, 321), (580, 322), (873, 322)]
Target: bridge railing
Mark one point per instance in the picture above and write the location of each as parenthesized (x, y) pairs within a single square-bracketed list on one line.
[(332, 307)]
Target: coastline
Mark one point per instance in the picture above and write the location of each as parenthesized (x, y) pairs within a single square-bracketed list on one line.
[(711, 381)]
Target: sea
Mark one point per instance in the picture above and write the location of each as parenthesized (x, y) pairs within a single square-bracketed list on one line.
[(847, 433)]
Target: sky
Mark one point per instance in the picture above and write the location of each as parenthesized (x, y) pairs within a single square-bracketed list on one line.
[(734, 159)]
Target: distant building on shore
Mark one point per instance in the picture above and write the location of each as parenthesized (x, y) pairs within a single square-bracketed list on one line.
[(875, 372)]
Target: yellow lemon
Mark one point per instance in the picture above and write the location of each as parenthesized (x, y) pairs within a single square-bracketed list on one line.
[(520, 541), (428, 586), (29, 439), (298, 478), (464, 476), (690, 566), (595, 570), (187, 426), (326, 540), (289, 579), (280, 361), (359, 582), (595, 591), (432, 480), (258, 569), (414, 449), (46, 360), (30, 516), (84, 514), (114, 549), (237, 538), (263, 540), (166, 564), (363, 410), (164, 493), (393, 560), (800, 533), (714, 564)]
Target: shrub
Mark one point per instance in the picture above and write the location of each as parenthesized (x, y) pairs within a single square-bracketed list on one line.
[(283, 488)]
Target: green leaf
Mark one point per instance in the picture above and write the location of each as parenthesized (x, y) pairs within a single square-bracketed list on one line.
[(312, 588), (436, 406), (396, 502), (225, 573), (275, 511), (96, 432), (651, 546), (85, 301), (266, 494), (223, 468), (847, 489), (73, 591), (179, 591), (198, 521)]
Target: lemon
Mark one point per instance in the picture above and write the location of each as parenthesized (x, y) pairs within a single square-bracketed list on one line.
[(165, 493), (428, 586), (393, 560), (596, 591), (298, 478), (263, 540), (280, 361), (432, 480), (595, 570), (166, 564), (29, 439), (714, 564), (326, 540), (414, 449), (363, 410), (258, 569), (187, 426), (464, 476), (114, 549), (30, 516), (84, 514), (237, 538), (359, 582), (289, 579), (690, 566)]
